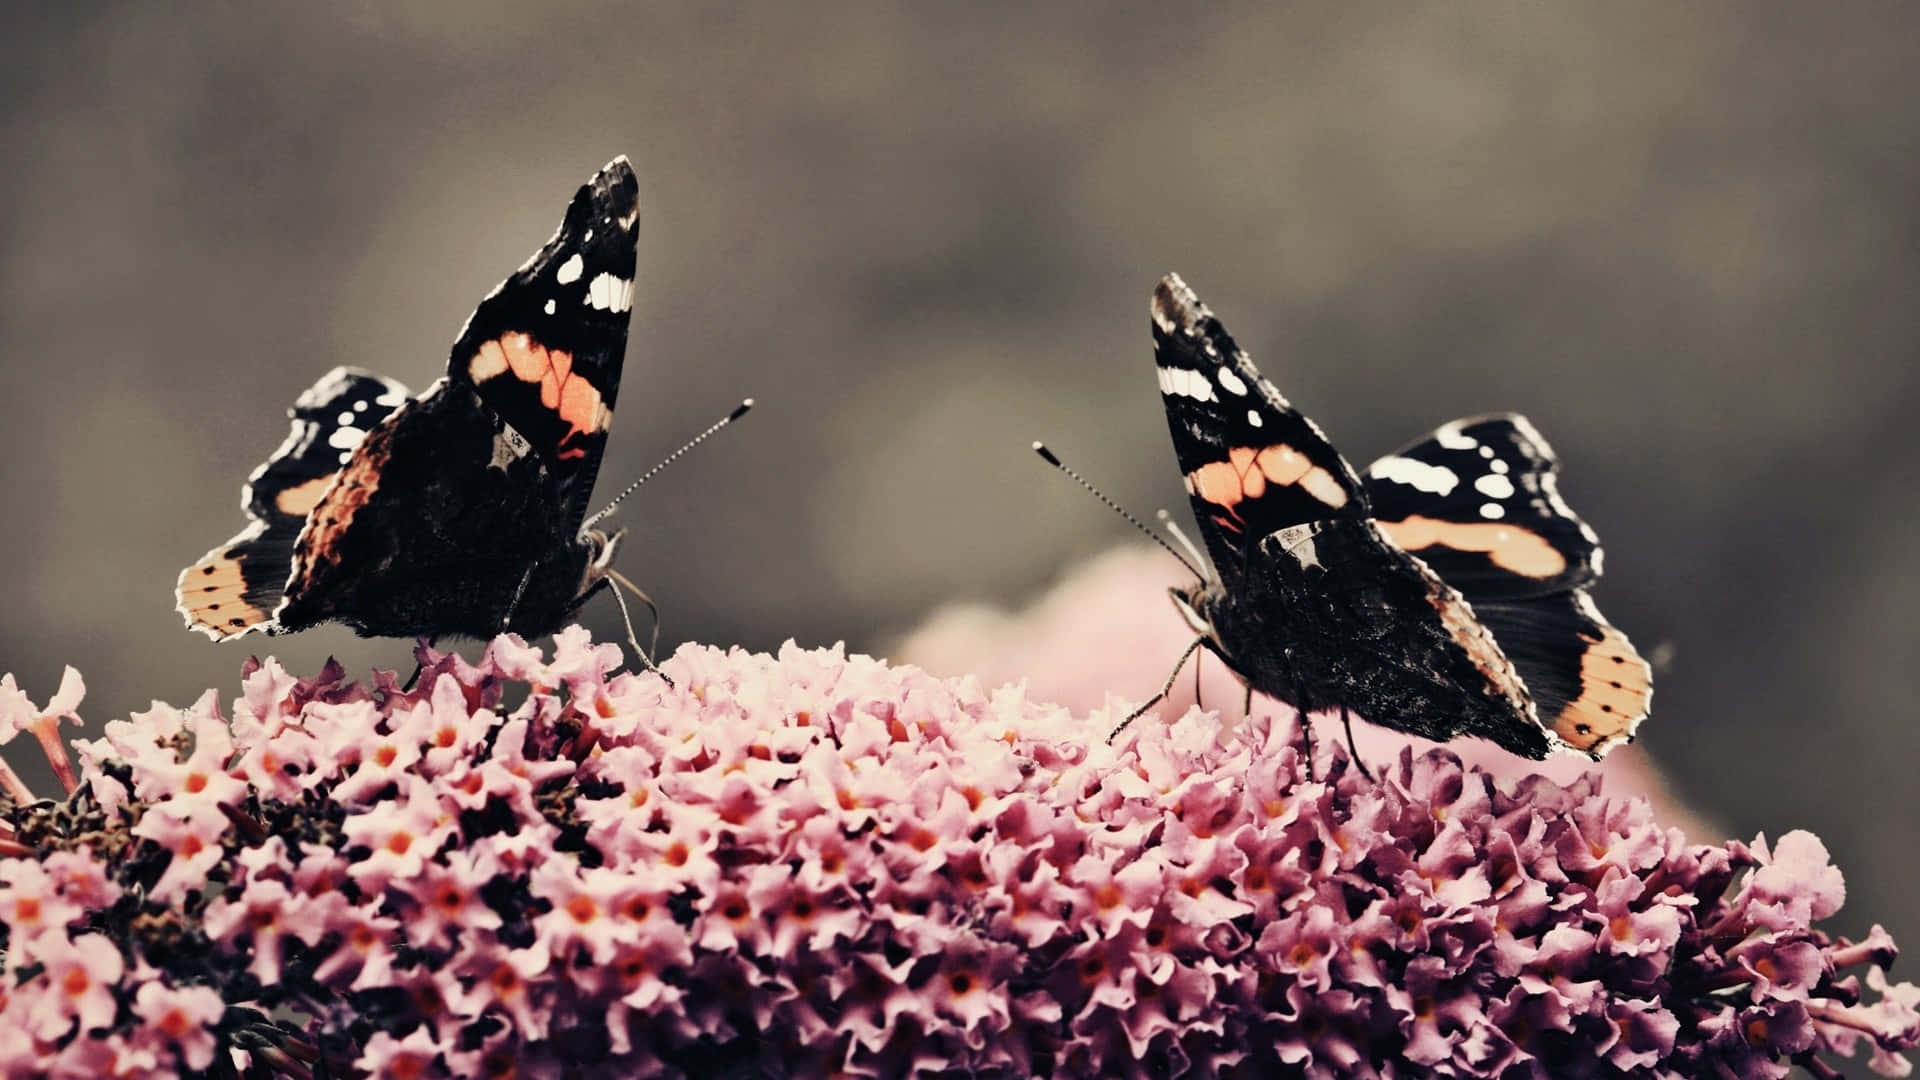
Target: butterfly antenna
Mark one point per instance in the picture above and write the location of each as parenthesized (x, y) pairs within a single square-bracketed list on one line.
[(1179, 534), (736, 414), (1047, 455)]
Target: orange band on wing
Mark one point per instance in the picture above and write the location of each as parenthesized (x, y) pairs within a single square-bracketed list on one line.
[(1247, 472), (571, 396), (212, 593), (327, 524), (1509, 546), (1615, 685), (299, 499)]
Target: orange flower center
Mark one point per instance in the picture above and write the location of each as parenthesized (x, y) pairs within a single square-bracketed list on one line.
[(583, 909)]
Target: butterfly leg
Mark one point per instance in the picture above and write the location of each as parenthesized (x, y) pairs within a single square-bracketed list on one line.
[(1162, 695), (1299, 706), (1246, 707), (615, 581), (1352, 750), (1196, 683)]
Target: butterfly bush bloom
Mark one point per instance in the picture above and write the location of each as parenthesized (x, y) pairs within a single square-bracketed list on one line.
[(815, 864)]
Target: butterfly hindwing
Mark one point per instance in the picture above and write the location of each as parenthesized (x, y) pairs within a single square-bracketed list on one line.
[(1589, 684), (545, 348), (236, 587), (1253, 464), (1477, 501)]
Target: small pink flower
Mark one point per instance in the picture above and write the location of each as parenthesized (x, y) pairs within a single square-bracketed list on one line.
[(346, 734), (200, 777), (1797, 878), (191, 831), (446, 901), (584, 910), (385, 753), (79, 877), (18, 714), (508, 982), (79, 974), (410, 1058), (447, 729), (267, 700), (399, 835), (256, 921), (32, 900), (364, 947), (181, 1017)]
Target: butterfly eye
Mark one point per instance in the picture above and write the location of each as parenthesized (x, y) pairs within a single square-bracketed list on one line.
[(1187, 603)]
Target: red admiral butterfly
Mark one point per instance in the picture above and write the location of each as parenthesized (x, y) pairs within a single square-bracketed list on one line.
[(1443, 594), (458, 511)]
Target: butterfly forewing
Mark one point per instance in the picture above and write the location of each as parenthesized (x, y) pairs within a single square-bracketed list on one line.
[(1253, 464), (545, 348), (1478, 501)]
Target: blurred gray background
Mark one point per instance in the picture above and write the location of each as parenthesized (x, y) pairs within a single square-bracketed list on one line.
[(1680, 238)]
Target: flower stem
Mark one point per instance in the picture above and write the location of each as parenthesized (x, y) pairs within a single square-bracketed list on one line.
[(47, 730), (17, 788)]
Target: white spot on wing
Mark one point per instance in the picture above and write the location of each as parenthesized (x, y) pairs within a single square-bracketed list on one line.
[(571, 270), (346, 438), (610, 293), (1535, 443), (550, 307), (1450, 436), (1253, 417), (360, 406), (1231, 383), (1498, 466), (1185, 382), (1494, 486), (1432, 479), (345, 419), (1492, 511)]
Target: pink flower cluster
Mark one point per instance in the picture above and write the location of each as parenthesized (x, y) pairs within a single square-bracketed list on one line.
[(812, 864)]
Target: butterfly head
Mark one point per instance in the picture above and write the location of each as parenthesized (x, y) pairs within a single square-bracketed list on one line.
[(598, 549), (1197, 604)]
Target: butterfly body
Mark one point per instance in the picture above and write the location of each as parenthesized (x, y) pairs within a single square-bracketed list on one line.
[(1320, 624), (1442, 594), (459, 511), (426, 556)]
